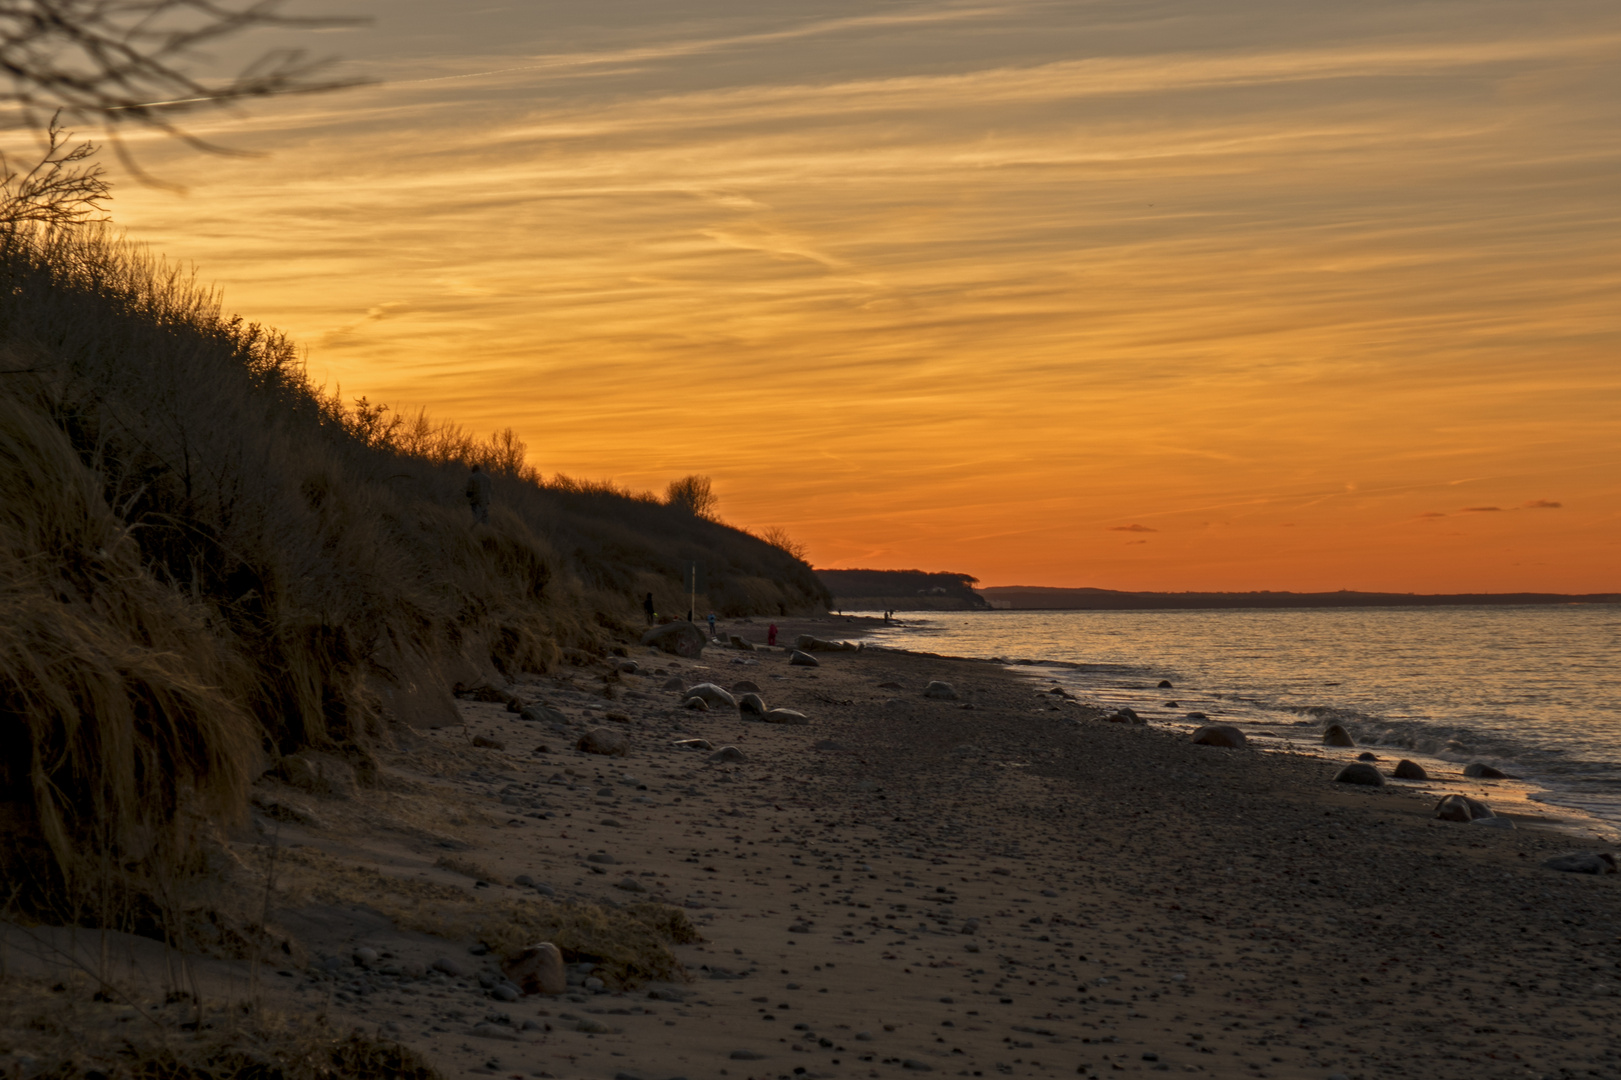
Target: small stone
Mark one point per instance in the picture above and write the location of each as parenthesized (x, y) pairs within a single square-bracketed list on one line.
[(1165, 684), (542, 714), (488, 743), (538, 970), (940, 691), (746, 1055), (673, 683), (525, 880), (630, 884), (595, 985), (785, 716), (617, 717), (1336, 735), (916, 1066), (745, 686), (1365, 756), (694, 744), (593, 1026), (365, 955), (800, 658), (1358, 773), (604, 741), (727, 753), (1224, 735), (1196, 716), (505, 992), (696, 704), (751, 705), (1409, 770), (495, 1031)]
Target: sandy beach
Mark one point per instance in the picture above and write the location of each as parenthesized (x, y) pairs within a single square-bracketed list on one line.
[(999, 884)]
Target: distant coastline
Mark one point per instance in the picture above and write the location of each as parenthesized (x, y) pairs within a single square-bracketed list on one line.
[(1042, 598)]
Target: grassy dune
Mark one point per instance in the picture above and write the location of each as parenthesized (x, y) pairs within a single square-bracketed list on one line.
[(206, 563)]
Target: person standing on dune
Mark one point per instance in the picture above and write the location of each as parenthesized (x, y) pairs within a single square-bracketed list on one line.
[(647, 606), (478, 495)]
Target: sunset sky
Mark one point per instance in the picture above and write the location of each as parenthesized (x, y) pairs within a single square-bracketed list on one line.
[(1149, 295)]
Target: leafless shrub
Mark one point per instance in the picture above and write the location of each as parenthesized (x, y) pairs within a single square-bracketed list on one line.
[(778, 537), (694, 495), (65, 187)]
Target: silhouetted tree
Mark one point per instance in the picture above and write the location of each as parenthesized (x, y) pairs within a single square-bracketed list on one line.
[(63, 188), (778, 537), (694, 494)]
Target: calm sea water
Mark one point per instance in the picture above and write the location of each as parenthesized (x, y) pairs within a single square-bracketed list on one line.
[(1535, 691)]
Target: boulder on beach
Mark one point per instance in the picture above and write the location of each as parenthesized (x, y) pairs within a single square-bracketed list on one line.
[(1335, 735), (1365, 756), (1409, 770), (1220, 735), (542, 714), (1358, 773), (727, 753), (1584, 862), (694, 744), (751, 705), (785, 716), (1478, 771), (674, 682), (713, 694), (940, 691), (697, 703), (1462, 808), (1165, 684), (605, 741), (676, 638), (745, 686), (811, 643), (742, 643), (803, 659), (538, 970)]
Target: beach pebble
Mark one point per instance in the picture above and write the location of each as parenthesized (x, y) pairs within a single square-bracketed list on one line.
[(1358, 773), (1165, 684), (1409, 770), (593, 1026), (1365, 756), (488, 743), (602, 857), (785, 716), (1220, 735), (1196, 716), (803, 659), (746, 1055), (673, 683), (696, 703), (604, 741), (1586, 862), (740, 643), (1461, 808), (538, 970), (713, 694), (1484, 772), (727, 753), (694, 744), (745, 686), (495, 1031), (941, 691), (751, 705), (1335, 735), (630, 884), (505, 992), (365, 955), (971, 926), (595, 985)]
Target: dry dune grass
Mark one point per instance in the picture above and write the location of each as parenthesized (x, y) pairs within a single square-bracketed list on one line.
[(208, 563), (73, 1030)]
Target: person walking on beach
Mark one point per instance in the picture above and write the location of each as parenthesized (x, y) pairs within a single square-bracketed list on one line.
[(711, 625), (478, 495), (647, 606), (771, 634)]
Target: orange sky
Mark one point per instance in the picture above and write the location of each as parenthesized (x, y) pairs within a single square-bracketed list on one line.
[(1166, 295)]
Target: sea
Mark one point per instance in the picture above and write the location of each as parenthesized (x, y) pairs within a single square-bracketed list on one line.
[(1534, 691)]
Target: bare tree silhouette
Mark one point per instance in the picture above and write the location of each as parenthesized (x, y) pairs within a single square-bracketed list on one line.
[(64, 188), (694, 494), (124, 64)]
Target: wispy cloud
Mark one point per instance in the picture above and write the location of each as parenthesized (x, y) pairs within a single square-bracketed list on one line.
[(1131, 528), (1541, 504)]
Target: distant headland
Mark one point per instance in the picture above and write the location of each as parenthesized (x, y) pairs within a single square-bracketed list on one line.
[(919, 590)]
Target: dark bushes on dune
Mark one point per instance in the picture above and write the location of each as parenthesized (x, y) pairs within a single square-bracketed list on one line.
[(206, 563)]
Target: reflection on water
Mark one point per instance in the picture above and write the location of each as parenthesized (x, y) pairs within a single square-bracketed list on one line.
[(1535, 691)]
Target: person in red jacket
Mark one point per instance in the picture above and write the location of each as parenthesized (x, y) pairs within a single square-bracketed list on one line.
[(771, 634)]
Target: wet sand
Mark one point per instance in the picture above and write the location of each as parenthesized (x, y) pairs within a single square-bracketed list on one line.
[(998, 885)]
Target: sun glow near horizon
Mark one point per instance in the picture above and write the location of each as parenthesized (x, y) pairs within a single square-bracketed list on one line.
[(1297, 291)]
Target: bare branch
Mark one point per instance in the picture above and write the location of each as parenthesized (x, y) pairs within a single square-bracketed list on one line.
[(64, 188), (123, 63)]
